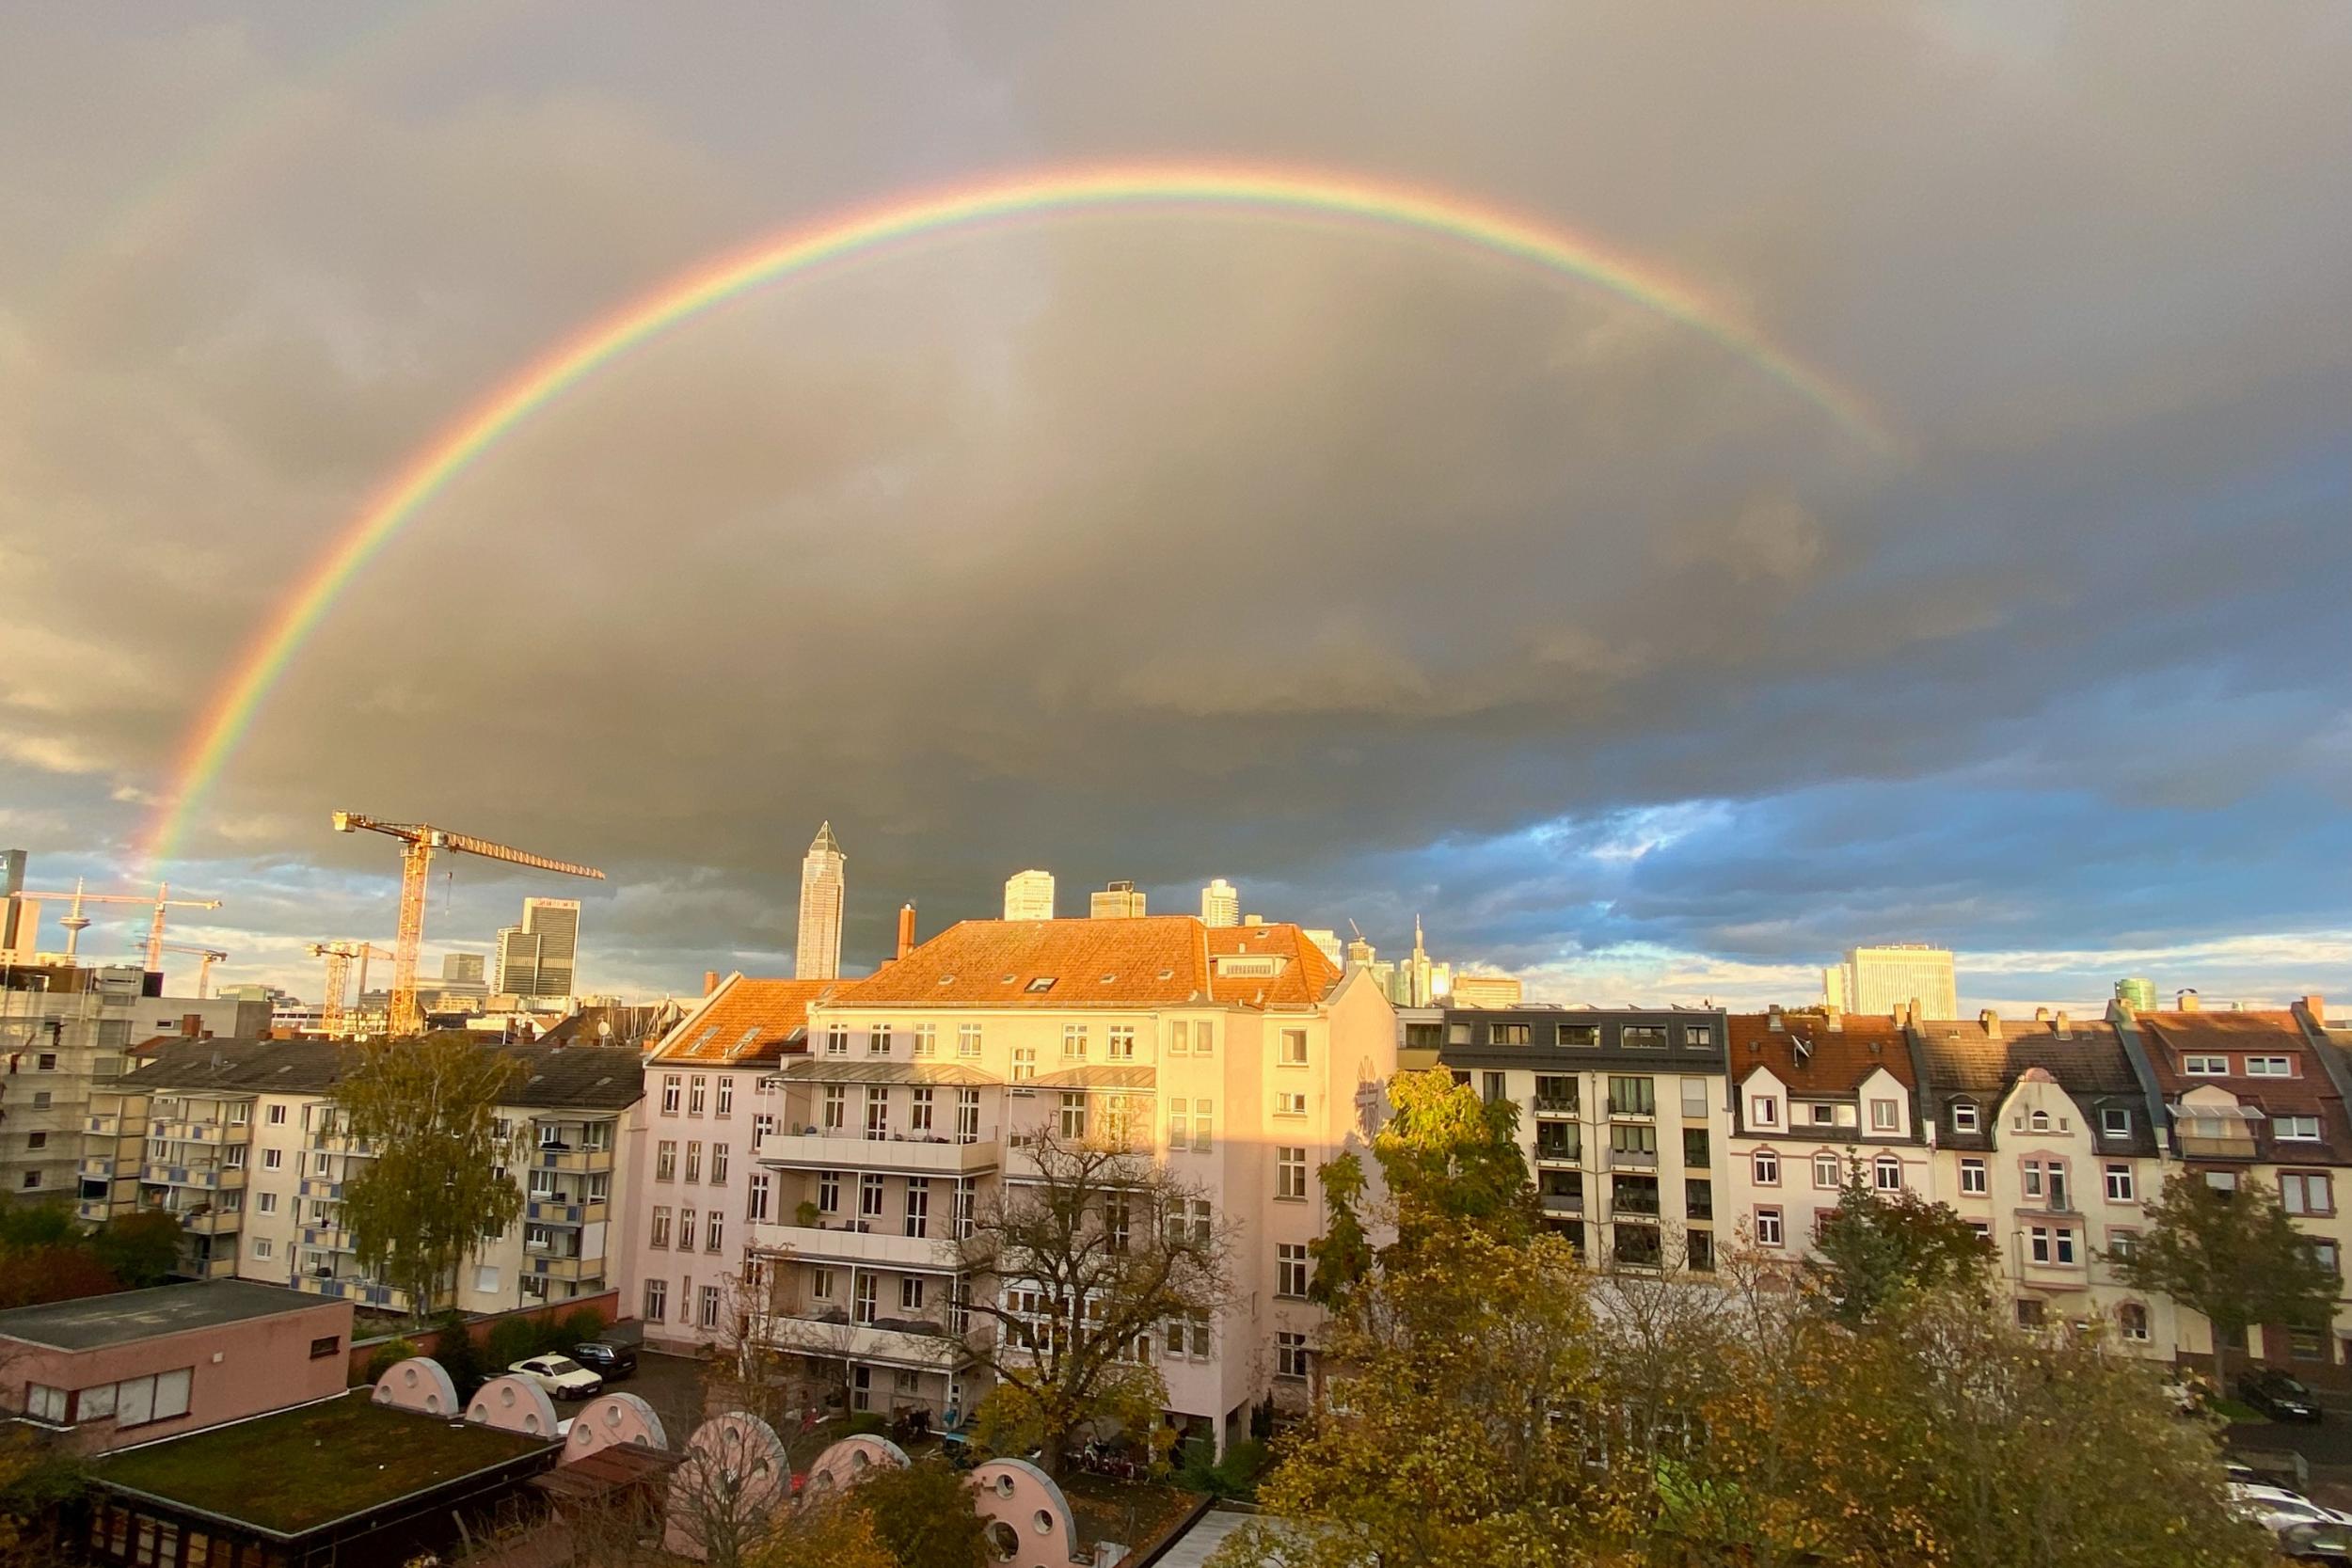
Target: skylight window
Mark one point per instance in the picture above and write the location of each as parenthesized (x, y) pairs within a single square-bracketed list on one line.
[(1043, 984), (947, 979)]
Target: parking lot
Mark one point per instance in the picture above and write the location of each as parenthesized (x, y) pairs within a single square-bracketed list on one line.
[(673, 1384)]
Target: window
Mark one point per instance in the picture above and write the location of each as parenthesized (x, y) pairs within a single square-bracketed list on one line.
[(660, 1226), (1763, 1110), (1767, 1168), (1073, 1116), (829, 1192), (2032, 1178), (694, 1160), (1884, 1118), (657, 1300), (1634, 1139), (763, 1124), (1698, 1249), (1698, 1200), (2205, 1067), (2029, 1312), (1290, 1269), (1204, 1037), (714, 1232), (665, 1159), (836, 1107), (836, 1040), (712, 1305), (726, 1096), (1964, 1116), (2131, 1320), (1695, 1147), (266, 1202), (1493, 1088), (718, 1165), (2268, 1066), (1293, 1048), (1886, 1174), (1179, 1039), (968, 1041), (2120, 1243), (1510, 1033), (1120, 1042), (161, 1398), (1768, 1228), (278, 1115), (1201, 1115), (2307, 1344), (1632, 1096), (869, 1196), (2295, 1129), (877, 1111), (673, 1086), (1972, 1177), (323, 1348), (2324, 1254), (2115, 1122), (1822, 1116), (273, 1159), (2052, 1244), (919, 1104), (536, 1236), (755, 1206), (1641, 1037), (1290, 1173), (1179, 1123), (1073, 1042), (1024, 1063), (1581, 1034), (1825, 1170), (909, 1293), (2120, 1189), (926, 1041), (1694, 1097), (2306, 1193), (1289, 1354), (45, 1404), (1290, 1102), (697, 1093), (878, 1040), (821, 1284), (918, 1210), (1699, 1036)]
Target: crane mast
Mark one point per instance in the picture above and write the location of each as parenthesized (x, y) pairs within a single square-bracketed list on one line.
[(418, 841)]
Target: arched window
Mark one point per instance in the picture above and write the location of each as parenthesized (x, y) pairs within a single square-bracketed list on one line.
[(1888, 1171), (2132, 1320), (1825, 1170), (1767, 1168), (2040, 1121)]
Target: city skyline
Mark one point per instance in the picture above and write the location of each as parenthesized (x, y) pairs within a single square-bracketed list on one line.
[(1885, 571)]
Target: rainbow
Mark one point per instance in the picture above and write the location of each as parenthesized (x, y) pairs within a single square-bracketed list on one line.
[(873, 231)]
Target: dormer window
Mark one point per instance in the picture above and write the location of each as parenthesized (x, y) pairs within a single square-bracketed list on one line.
[(1964, 1116), (2205, 1067), (2039, 1121), (2115, 1121)]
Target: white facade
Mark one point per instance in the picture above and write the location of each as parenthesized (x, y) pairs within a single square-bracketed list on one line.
[(1029, 895), (817, 954), (1889, 980), (1220, 904)]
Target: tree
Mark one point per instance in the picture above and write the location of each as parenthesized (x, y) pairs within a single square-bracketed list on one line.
[(438, 1184), (1097, 1249), (27, 1227), (826, 1532), (1875, 1247), (923, 1515), (139, 1249), (47, 1274), (2235, 1257), (1343, 1252), (1453, 1159)]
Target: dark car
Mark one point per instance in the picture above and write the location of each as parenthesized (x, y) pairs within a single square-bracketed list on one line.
[(2278, 1396), (610, 1362)]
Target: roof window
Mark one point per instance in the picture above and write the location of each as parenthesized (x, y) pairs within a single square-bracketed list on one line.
[(1043, 984)]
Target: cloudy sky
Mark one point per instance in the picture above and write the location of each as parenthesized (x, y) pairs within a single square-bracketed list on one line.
[(1378, 575)]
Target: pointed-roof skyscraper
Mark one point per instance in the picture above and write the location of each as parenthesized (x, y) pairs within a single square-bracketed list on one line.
[(823, 885)]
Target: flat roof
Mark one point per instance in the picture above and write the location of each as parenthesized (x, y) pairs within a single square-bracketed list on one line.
[(301, 1470), (128, 1315)]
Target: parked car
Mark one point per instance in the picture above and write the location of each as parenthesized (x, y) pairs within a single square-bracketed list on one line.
[(607, 1361), (560, 1375), (2278, 1396), (2276, 1508)]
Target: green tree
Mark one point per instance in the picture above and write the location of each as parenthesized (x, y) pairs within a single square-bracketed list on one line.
[(436, 1185), (1343, 1252), (1875, 1247), (923, 1515), (28, 1227), (2235, 1257), (139, 1249), (1451, 1159)]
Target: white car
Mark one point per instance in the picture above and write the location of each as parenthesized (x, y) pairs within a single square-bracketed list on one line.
[(560, 1375), (2275, 1507)]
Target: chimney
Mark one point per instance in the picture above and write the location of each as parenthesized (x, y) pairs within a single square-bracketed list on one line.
[(2042, 1015), (2315, 1008), (2062, 1026), (1773, 1020), (1835, 1020), (906, 928), (710, 981), (1990, 1022), (2186, 1001)]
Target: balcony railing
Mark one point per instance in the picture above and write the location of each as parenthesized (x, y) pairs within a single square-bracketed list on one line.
[(548, 1266), (1563, 1203), (2195, 1145), (213, 1268), (207, 1178), (321, 1187), (884, 1245), (98, 1166), (215, 1222), (587, 1160), (1632, 1158), (557, 1210), (1559, 1153), (908, 1154), (353, 1287), (327, 1238), (203, 1131), (1555, 1105), (832, 1334)]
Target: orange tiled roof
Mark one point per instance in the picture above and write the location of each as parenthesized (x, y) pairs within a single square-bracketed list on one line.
[(747, 1022), (1841, 1058), (1154, 961)]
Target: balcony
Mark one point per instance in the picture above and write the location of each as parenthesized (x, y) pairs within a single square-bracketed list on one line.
[(1555, 1105), (212, 1268), (1632, 1158), (107, 1125), (354, 1288), (202, 1177), (327, 1238), (217, 1222), (321, 1187), (98, 1211), (2227, 1146), (844, 1340), (1552, 1152), (557, 1210), (1563, 1203), (548, 1265), (883, 1247), (184, 1131), (906, 1155), (98, 1168), (586, 1161)]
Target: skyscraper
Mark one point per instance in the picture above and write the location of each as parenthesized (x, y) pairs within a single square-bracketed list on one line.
[(1220, 904), (556, 923), (823, 883), (464, 969), (1119, 901), (1889, 978), (1029, 895), (517, 969), (2138, 993)]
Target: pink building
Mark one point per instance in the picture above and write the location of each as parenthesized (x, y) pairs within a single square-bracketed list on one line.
[(140, 1365)]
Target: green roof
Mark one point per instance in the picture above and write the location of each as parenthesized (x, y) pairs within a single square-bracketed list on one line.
[(303, 1469)]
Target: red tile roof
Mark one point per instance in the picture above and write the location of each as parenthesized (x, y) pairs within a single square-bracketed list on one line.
[(745, 1021), (1840, 1060), (1152, 962)]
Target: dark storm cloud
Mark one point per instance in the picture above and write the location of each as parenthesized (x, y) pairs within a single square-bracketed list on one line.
[(1373, 576)]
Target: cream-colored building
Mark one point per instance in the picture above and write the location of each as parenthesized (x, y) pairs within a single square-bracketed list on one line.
[(1899, 978), (1238, 1056), (824, 890), (243, 1142), (1029, 895), (1487, 990)]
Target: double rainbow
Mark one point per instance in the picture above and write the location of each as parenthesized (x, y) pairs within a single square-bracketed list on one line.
[(873, 231)]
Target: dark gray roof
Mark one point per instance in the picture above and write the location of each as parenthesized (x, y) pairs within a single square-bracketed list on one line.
[(582, 1077), (1961, 1061), (128, 1315)]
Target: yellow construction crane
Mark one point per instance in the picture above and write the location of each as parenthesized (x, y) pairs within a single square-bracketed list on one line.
[(339, 956), (75, 923), (206, 958), (418, 841)]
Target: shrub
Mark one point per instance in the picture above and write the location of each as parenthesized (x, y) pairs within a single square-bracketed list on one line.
[(581, 1324), (390, 1354), (1236, 1476), (511, 1339), (864, 1421), (460, 1356)]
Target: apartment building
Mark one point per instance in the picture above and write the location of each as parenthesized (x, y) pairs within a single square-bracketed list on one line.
[(1815, 1098), (1623, 1118), (66, 1032), (243, 1140), (711, 1093), (2049, 1142), (1238, 1055)]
